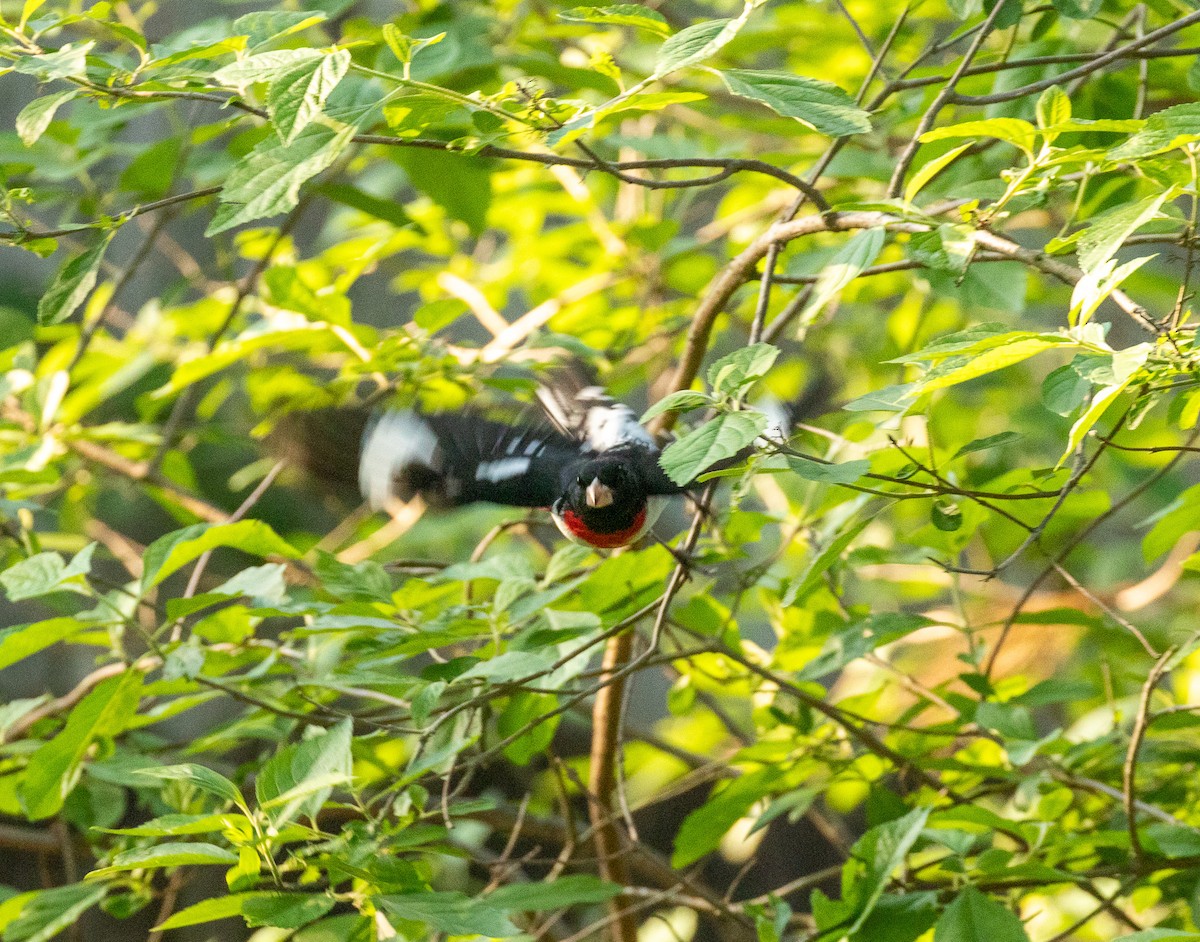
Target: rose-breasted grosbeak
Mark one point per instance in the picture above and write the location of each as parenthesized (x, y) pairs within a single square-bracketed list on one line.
[(599, 475)]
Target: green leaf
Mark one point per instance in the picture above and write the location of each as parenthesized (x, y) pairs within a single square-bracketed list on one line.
[(1053, 108), (640, 101), (987, 442), (54, 767), (220, 907), (510, 666), (879, 853), (169, 854), (73, 283), (1013, 130), (1175, 840), (264, 67), (1064, 390), (452, 913), (948, 248), (846, 472), (524, 716), (576, 890), (897, 398), (974, 916), (1108, 232), (364, 202), (946, 515), (635, 101), (701, 41), (702, 830), (268, 181), (263, 27), (861, 638), (800, 588), (366, 581), (847, 264), (170, 553), (718, 439), (405, 47), (36, 116), (1010, 12), (266, 583), (68, 61), (460, 184), (287, 289), (1164, 130), (176, 825), (200, 776), (1104, 398), (930, 170), (284, 910), (295, 98), (619, 14), (21, 641), (14, 710), (680, 401), (691, 45), (299, 779), (44, 573), (736, 371), (988, 356), (28, 8), (1095, 286), (817, 104), (46, 913)]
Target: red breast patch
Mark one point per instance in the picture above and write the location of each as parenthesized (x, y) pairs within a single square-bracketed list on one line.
[(574, 523)]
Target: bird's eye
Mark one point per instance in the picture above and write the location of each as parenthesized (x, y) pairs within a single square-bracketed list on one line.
[(582, 480)]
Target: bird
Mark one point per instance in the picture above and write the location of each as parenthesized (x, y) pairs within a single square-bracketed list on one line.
[(595, 468)]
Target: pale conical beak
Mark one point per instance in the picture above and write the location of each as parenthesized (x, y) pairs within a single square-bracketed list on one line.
[(597, 494)]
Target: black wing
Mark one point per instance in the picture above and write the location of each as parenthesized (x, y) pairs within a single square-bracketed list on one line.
[(458, 458), (644, 462)]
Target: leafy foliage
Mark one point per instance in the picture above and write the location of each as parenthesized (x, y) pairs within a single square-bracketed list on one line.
[(938, 625)]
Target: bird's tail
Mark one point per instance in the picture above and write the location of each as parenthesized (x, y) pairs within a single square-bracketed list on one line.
[(326, 443)]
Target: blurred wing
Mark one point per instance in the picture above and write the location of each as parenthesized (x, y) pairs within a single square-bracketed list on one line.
[(565, 393), (459, 458)]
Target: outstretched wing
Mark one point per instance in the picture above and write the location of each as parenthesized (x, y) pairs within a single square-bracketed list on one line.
[(459, 458), (581, 409)]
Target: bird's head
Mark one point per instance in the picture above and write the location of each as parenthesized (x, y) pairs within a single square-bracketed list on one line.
[(604, 501)]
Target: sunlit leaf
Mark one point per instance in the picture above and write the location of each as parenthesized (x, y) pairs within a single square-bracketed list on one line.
[(54, 768), (268, 181), (973, 916), (718, 439), (619, 14), (817, 104), (850, 261), (296, 97), (1013, 130), (175, 550), (73, 283), (36, 116)]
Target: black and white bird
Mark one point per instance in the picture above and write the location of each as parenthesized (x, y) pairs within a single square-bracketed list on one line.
[(597, 472)]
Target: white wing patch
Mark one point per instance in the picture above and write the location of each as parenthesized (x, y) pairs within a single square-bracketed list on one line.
[(608, 426), (502, 469), (396, 441)]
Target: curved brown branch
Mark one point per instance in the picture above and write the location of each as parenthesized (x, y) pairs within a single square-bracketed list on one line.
[(742, 269)]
